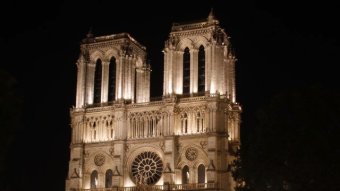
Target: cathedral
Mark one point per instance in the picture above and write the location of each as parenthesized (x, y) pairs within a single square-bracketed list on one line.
[(185, 140)]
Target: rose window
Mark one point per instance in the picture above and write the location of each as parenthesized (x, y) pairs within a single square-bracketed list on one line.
[(147, 168), (191, 154), (99, 159)]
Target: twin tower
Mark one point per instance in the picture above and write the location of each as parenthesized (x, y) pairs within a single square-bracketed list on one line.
[(186, 140)]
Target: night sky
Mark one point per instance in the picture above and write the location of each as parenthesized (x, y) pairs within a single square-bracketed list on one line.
[(279, 46)]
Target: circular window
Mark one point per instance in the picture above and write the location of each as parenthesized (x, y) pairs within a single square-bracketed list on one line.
[(99, 159), (147, 168), (191, 154)]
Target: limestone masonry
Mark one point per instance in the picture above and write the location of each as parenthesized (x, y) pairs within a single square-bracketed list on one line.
[(185, 140)]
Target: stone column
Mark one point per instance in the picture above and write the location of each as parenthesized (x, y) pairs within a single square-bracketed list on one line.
[(232, 79), (120, 77), (213, 70), (90, 82), (105, 81), (193, 70), (208, 68), (81, 76), (179, 72), (169, 160), (165, 73)]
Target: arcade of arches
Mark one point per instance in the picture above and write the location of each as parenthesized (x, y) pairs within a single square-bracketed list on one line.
[(122, 139)]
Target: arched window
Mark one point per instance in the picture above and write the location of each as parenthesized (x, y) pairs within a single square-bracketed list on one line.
[(201, 69), (108, 178), (94, 179), (185, 175), (112, 79), (184, 123), (186, 71), (201, 174), (97, 82)]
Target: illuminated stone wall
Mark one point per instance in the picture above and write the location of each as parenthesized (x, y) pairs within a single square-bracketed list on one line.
[(180, 139)]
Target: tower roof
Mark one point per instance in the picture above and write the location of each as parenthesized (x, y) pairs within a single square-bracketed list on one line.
[(211, 20), (211, 15)]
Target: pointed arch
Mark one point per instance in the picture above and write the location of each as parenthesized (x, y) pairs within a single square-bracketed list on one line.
[(201, 69), (184, 123), (96, 55), (200, 41), (201, 174), (112, 52), (185, 43), (108, 178), (112, 79), (94, 179), (186, 71), (185, 175), (97, 82)]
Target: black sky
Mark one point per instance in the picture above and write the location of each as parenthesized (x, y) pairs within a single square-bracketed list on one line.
[(279, 46)]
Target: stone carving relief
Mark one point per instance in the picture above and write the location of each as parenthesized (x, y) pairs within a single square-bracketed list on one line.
[(191, 153), (111, 150), (203, 144), (99, 159)]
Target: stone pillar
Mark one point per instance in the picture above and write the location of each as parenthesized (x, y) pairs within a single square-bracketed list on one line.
[(213, 78), (211, 170), (169, 159), (179, 72), (74, 178), (81, 77), (208, 68), (170, 71), (165, 73), (105, 81), (133, 82), (120, 77), (193, 70), (90, 82), (226, 69), (232, 79), (143, 84)]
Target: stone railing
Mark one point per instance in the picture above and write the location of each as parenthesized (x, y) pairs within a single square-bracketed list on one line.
[(154, 101), (199, 186)]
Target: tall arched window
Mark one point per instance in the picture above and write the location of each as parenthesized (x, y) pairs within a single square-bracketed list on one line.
[(185, 175), (186, 71), (108, 178), (201, 69), (184, 123), (94, 179), (200, 122), (112, 79), (97, 82), (201, 174)]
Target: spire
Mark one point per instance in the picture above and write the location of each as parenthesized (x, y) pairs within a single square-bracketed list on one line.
[(89, 34), (211, 16)]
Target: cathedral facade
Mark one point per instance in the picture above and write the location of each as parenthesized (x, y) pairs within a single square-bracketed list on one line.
[(124, 140)]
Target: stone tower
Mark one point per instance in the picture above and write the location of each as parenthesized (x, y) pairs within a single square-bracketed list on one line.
[(183, 141)]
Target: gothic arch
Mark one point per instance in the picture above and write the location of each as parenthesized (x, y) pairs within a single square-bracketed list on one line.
[(91, 166), (96, 55), (113, 52), (200, 40), (108, 178), (185, 174), (201, 173), (202, 158), (94, 179), (184, 43)]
